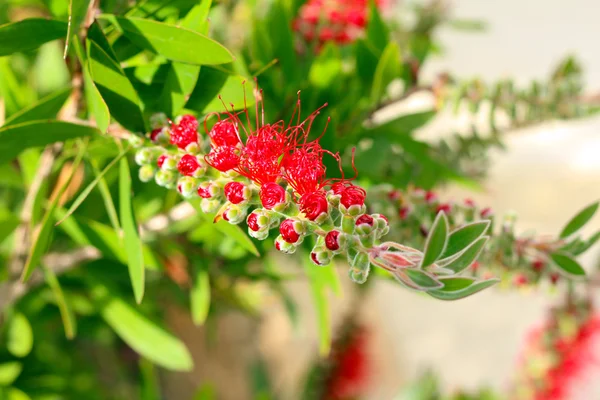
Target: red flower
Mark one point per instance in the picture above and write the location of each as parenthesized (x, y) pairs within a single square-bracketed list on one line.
[(403, 212), (185, 133), (353, 195), (331, 240), (314, 204), (364, 219), (487, 213), (224, 133), (154, 134), (204, 192), (271, 194), (234, 191), (223, 158), (188, 165), (445, 207), (161, 160), (430, 197), (252, 222), (288, 232)]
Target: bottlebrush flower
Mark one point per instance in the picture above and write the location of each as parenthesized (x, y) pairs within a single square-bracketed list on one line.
[(315, 206), (224, 158), (185, 133), (272, 195)]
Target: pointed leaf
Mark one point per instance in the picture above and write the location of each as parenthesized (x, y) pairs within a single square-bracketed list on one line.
[(388, 69), (96, 104), (67, 316), (131, 237), (377, 31), (567, 265), (456, 283), (109, 204), (45, 108), (466, 258), (16, 138), (77, 12), (116, 89), (461, 238), (171, 42), (424, 280), (212, 83), (200, 294), (579, 220), (143, 335), (181, 80), (197, 18), (436, 241), (29, 34), (475, 287)]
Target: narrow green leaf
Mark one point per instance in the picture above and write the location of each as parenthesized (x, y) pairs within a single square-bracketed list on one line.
[(461, 238), (96, 35), (16, 138), (326, 68), (67, 316), (388, 69), (280, 36), (77, 12), (588, 243), (181, 80), (436, 241), (366, 62), (212, 83), (85, 192), (456, 283), (116, 89), (42, 237), (567, 265), (19, 336), (131, 238), (142, 335), (45, 108), (403, 125), (9, 372), (8, 222), (96, 104), (377, 31), (475, 287), (109, 204), (466, 258), (423, 279), (171, 42), (579, 220), (200, 294), (197, 18), (29, 34)]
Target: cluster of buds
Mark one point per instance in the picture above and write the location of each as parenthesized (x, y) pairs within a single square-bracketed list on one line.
[(559, 354), (339, 21), (268, 176), (520, 261)]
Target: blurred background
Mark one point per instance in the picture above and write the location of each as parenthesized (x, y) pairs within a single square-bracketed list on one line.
[(406, 345)]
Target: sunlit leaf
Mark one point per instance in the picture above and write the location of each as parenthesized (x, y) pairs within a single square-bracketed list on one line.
[(29, 34), (579, 220)]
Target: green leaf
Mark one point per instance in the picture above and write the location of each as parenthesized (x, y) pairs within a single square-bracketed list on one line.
[(567, 265), (579, 220), (366, 62), (477, 286), (278, 26), (466, 258), (109, 204), (436, 241), (13, 393), (212, 83), (585, 245), (404, 124), (141, 334), (461, 238), (8, 221), (67, 316), (96, 104), (197, 18), (181, 80), (326, 68), (16, 138), (456, 283), (29, 34), (9, 371), (200, 294), (131, 238), (45, 108), (96, 35), (19, 336), (171, 42), (318, 283), (116, 89), (424, 280), (388, 69), (85, 192), (43, 234), (77, 12), (377, 31)]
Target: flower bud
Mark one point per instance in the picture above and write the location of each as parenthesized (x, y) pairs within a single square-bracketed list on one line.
[(520, 280), (315, 206), (186, 185), (258, 220), (136, 141), (336, 241), (165, 178), (352, 201), (144, 156), (146, 172), (291, 231), (321, 256), (184, 134), (209, 206), (167, 162), (359, 270), (237, 192), (431, 197), (224, 133), (487, 213), (538, 265), (364, 224), (273, 195), (189, 165), (445, 207), (161, 136), (209, 190), (404, 212), (282, 245), (234, 214)]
